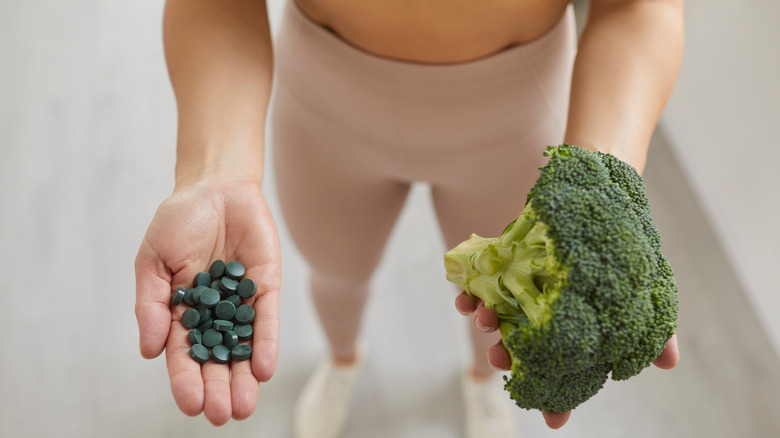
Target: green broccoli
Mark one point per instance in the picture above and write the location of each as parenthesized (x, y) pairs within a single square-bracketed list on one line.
[(578, 281)]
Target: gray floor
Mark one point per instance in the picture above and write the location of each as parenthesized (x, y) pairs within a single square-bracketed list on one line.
[(87, 128)]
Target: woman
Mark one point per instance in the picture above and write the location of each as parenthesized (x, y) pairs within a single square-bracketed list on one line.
[(369, 97)]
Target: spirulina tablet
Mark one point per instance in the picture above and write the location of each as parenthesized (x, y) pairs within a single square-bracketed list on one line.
[(209, 297), (225, 310), (246, 288), (222, 325), (196, 293), (235, 299), (188, 297), (245, 314), (199, 353), (178, 296), (206, 325), (195, 337), (212, 338), (202, 279), (235, 270), (244, 331), (220, 354), (217, 268), (228, 285), (205, 313), (190, 318), (229, 339), (241, 352)]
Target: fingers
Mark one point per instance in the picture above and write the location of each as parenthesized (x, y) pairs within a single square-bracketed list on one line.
[(556, 420), (217, 404), (465, 304), (485, 319), (499, 357), (152, 303), (184, 372), (265, 343), (244, 389), (669, 358)]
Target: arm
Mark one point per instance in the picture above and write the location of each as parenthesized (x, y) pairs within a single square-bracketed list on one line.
[(626, 66), (220, 63), (219, 60)]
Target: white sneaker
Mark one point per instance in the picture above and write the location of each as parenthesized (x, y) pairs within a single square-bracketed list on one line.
[(323, 406), (488, 412)]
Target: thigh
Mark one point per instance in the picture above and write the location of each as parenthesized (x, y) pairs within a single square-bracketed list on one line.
[(482, 188), (337, 204), (488, 197)]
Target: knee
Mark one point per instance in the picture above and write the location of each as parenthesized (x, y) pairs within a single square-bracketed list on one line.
[(340, 278)]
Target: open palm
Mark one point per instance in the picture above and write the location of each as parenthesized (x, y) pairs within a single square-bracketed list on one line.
[(226, 220)]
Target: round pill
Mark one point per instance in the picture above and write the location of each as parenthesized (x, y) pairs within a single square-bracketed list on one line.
[(245, 314), (228, 285), (206, 325), (188, 297), (209, 297), (178, 296), (220, 354), (217, 268), (199, 353), (190, 318), (216, 284), (212, 338), (196, 293), (225, 310), (202, 279), (205, 313), (244, 331), (229, 339), (241, 352), (246, 288), (235, 299), (235, 270), (195, 337), (223, 325)]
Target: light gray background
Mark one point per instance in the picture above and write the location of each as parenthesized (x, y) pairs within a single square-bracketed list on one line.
[(87, 135)]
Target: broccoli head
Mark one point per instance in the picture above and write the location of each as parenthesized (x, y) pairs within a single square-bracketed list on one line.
[(578, 281)]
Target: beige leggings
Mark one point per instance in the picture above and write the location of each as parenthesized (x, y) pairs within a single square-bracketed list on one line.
[(352, 131)]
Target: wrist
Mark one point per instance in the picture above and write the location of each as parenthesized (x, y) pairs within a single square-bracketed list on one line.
[(196, 164), (190, 175), (633, 156)]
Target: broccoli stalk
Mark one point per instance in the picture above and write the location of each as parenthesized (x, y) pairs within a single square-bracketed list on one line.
[(578, 281), (512, 274)]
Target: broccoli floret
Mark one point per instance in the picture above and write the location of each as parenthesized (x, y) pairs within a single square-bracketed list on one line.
[(578, 281)]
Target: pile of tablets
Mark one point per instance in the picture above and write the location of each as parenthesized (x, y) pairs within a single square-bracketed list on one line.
[(216, 316)]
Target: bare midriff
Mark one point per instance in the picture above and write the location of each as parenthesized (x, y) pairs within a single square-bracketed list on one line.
[(435, 31)]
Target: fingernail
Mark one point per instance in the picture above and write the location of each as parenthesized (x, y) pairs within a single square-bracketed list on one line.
[(480, 327)]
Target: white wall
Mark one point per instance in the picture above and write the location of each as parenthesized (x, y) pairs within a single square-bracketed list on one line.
[(723, 122)]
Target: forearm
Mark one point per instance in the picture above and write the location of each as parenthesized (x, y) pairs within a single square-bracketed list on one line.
[(626, 66), (219, 60)]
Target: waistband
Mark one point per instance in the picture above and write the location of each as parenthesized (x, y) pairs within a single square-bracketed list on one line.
[(345, 58)]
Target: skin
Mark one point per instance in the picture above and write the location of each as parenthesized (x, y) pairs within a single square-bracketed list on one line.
[(220, 63)]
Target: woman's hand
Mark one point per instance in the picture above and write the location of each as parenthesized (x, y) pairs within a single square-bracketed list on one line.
[(202, 222), (486, 320)]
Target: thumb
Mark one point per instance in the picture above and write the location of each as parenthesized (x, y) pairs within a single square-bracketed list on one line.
[(152, 301)]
